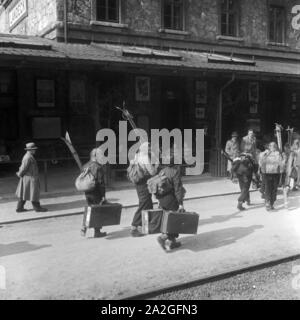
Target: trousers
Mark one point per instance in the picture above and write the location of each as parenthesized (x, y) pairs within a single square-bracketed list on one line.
[(145, 203), (245, 183), (271, 181)]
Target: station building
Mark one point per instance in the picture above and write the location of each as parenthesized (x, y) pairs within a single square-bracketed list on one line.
[(222, 65)]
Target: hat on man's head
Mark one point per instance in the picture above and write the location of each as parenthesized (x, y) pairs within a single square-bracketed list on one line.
[(234, 134), (30, 146)]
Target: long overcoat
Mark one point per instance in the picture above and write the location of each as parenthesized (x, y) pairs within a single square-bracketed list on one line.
[(29, 185)]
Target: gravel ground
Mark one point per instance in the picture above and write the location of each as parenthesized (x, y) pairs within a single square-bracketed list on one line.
[(272, 283)]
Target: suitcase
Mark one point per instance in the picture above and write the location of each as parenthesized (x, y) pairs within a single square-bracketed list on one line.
[(97, 216), (176, 222), (151, 221)]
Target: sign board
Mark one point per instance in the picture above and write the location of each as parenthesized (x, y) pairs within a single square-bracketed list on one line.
[(17, 12)]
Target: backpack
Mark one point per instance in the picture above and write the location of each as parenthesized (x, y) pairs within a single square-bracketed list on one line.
[(160, 184), (135, 172), (85, 181)]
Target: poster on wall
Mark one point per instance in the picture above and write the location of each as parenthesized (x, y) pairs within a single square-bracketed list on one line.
[(201, 92), (200, 113), (253, 108), (46, 127), (253, 92), (78, 96), (45, 93), (142, 88)]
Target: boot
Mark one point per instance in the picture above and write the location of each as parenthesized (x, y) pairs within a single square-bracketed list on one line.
[(99, 234), (37, 207), (161, 241), (240, 206), (268, 205), (20, 206)]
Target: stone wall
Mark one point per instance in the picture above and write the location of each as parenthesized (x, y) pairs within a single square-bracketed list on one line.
[(41, 16), (144, 18)]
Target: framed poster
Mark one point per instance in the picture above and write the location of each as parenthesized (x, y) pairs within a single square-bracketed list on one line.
[(78, 96), (253, 108), (201, 92), (200, 113), (253, 92), (45, 93), (46, 127), (142, 88)]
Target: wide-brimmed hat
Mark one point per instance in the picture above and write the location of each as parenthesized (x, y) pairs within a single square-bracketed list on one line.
[(234, 134), (30, 146)]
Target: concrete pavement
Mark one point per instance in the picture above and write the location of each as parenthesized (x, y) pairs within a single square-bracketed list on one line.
[(49, 260), (73, 203)]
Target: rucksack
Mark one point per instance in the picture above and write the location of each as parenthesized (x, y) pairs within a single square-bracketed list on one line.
[(135, 172), (85, 181), (159, 185)]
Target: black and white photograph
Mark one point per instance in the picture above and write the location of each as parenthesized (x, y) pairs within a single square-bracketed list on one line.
[(150, 151)]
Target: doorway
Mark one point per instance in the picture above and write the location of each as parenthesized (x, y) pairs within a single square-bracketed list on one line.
[(172, 103)]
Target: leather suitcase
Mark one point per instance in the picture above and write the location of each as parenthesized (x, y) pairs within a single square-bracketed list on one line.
[(180, 223), (151, 221), (97, 216)]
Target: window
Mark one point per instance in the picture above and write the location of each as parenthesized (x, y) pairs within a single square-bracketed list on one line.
[(107, 10), (173, 14), (229, 18), (277, 24)]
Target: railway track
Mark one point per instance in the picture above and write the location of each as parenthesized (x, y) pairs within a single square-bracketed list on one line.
[(210, 279)]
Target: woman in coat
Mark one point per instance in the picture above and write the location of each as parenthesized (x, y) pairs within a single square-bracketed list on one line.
[(272, 165), (171, 201), (143, 158), (97, 195), (29, 185)]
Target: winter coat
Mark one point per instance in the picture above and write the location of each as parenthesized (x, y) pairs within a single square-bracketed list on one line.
[(98, 193), (174, 176), (29, 185), (272, 163), (233, 150)]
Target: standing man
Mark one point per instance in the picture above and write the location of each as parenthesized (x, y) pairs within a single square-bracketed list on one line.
[(248, 144), (29, 185), (233, 150), (243, 168)]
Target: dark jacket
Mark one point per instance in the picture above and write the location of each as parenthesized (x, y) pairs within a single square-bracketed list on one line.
[(243, 166), (174, 176), (98, 172)]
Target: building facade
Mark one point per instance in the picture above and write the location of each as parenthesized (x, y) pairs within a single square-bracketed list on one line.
[(223, 65)]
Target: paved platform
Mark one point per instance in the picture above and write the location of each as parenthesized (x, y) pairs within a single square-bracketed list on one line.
[(73, 203), (49, 260)]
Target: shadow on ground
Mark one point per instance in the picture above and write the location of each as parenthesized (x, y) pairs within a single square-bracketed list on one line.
[(124, 233), (78, 204), (19, 247), (217, 238)]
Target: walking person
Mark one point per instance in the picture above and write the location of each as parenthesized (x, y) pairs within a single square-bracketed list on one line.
[(95, 196), (272, 165), (233, 150), (147, 170), (172, 200), (243, 167), (29, 185)]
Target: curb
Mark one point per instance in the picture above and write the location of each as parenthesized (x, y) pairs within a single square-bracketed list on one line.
[(130, 206)]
